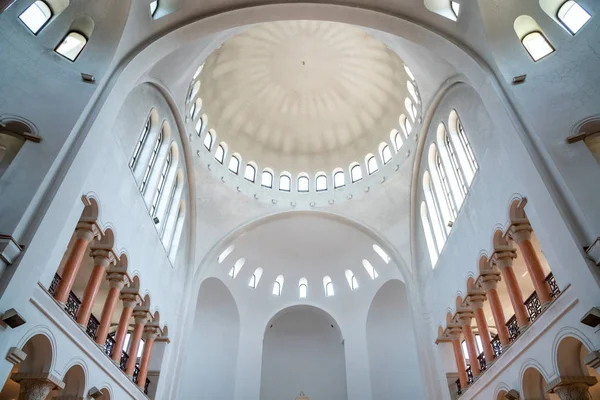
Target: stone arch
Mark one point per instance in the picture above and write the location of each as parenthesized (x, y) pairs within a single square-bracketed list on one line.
[(75, 381), (123, 261), (499, 241), (517, 211), (533, 382), (484, 263), (107, 239), (568, 356), (91, 209), (40, 349), (459, 301)]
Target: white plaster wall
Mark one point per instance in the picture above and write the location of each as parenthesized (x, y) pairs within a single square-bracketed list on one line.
[(303, 351)]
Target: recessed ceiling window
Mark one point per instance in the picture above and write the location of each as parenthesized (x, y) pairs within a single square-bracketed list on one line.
[(351, 280), (328, 285), (193, 110), (220, 153), (36, 16), (537, 45), (386, 154), (278, 285), (250, 172), (303, 183), (408, 104), (285, 182), (153, 7), (208, 140), (197, 73), (236, 267), (370, 270), (321, 182), (455, 8), (381, 253), (355, 173), (255, 278), (302, 288), (371, 165), (412, 91), (140, 143), (396, 139), (72, 45), (234, 164), (573, 16), (409, 73), (267, 179), (225, 253), (199, 126), (339, 179)]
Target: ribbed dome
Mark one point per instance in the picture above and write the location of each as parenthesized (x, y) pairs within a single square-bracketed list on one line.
[(303, 95)]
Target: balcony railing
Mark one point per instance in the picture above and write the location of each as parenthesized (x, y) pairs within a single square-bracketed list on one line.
[(534, 309), (72, 308)]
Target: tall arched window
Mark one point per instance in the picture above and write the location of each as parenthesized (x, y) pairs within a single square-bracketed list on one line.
[(458, 174), (408, 104), (199, 126), (72, 45), (152, 161), (351, 279), (436, 214), (381, 253), (255, 278), (278, 285), (303, 183), (36, 16), (572, 16), (445, 186), (220, 153), (161, 184), (234, 164), (328, 285), (433, 255), (396, 139), (466, 146), (371, 164), (208, 140), (140, 144), (302, 288), (237, 266), (321, 182), (250, 172), (355, 173), (169, 209), (532, 38), (385, 152), (267, 179), (369, 268), (285, 182), (338, 179)]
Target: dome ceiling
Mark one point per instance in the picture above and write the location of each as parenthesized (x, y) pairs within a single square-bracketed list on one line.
[(303, 95)]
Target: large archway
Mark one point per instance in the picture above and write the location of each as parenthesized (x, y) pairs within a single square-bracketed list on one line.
[(303, 351)]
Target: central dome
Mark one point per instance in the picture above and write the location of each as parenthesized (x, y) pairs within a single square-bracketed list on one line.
[(303, 95)]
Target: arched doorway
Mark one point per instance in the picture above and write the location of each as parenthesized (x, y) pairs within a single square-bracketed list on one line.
[(303, 351)]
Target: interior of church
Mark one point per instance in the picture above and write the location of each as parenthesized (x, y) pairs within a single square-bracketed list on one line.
[(281, 200)]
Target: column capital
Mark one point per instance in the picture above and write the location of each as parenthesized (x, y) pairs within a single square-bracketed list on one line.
[(15, 356), (465, 317), (503, 257), (566, 381), (43, 378), (117, 278), (141, 316), (520, 232), (475, 300), (103, 257), (454, 332), (151, 331), (87, 230), (490, 279), (130, 300)]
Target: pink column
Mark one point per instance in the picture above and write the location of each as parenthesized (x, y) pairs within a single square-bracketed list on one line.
[(141, 317), (484, 332), (129, 301), (521, 234), (460, 362), (150, 334), (465, 322), (102, 259), (504, 260), (84, 234), (489, 285), (117, 282)]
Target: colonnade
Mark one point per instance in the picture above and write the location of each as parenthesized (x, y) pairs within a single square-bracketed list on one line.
[(493, 270)]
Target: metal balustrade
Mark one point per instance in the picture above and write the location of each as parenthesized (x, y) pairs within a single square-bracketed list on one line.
[(496, 346), (482, 362), (72, 308)]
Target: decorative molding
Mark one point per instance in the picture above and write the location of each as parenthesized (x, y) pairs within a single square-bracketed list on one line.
[(592, 360), (16, 356), (593, 251), (38, 376), (562, 381), (10, 250)]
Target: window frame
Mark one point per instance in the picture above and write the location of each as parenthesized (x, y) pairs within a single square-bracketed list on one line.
[(137, 151), (303, 177), (288, 179), (210, 136), (220, 158), (371, 170), (563, 22), (279, 285), (253, 180), (162, 180), (302, 283), (153, 11), (262, 179), (545, 39), (383, 154), (152, 161), (464, 141), (445, 186), (335, 182), (320, 178), (46, 22), (456, 167), (63, 40), (352, 177), (237, 161)]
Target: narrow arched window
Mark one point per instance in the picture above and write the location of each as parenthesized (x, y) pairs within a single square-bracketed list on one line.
[(278, 286), (302, 288), (72, 45), (267, 179), (572, 16), (396, 139), (197, 73), (405, 125), (234, 164), (355, 173), (433, 255), (455, 7), (197, 107), (352, 282), (161, 184), (194, 91), (445, 185), (328, 285), (193, 110), (220, 153), (321, 182), (435, 211), (199, 126), (140, 144), (381, 253), (466, 146), (250, 172), (152, 161), (303, 183), (153, 8), (339, 179), (371, 165), (237, 266), (409, 73), (412, 90), (386, 154), (255, 278), (168, 211), (285, 182), (225, 253), (36, 16), (370, 270), (462, 184), (537, 45), (408, 104), (208, 140)]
